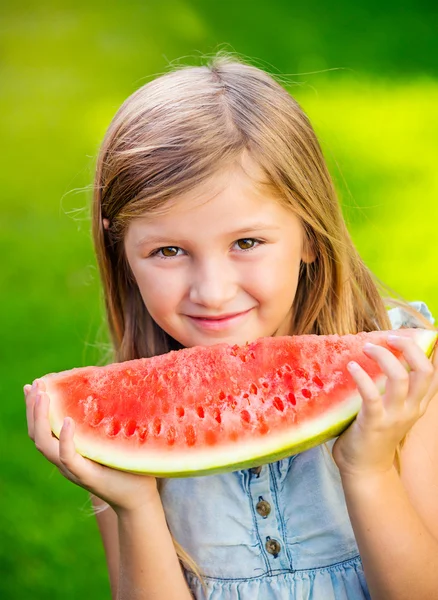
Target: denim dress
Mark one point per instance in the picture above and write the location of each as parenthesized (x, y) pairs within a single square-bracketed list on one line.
[(280, 531)]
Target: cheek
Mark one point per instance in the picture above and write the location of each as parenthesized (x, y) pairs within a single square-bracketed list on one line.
[(276, 282), (159, 290)]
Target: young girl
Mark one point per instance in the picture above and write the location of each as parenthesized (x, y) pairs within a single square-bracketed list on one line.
[(215, 220)]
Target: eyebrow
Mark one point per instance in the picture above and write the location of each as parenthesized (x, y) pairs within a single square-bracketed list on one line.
[(255, 227), (156, 239)]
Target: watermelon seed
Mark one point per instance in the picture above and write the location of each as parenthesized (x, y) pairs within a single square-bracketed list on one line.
[(170, 374), (252, 355), (210, 437), (156, 426), (200, 411), (245, 395), (171, 435), (287, 368), (318, 381), (95, 418), (278, 403), (280, 373), (265, 384), (263, 426), (190, 435), (306, 393), (113, 427), (302, 373), (253, 389), (143, 434), (217, 415), (243, 357), (130, 428), (291, 398), (180, 412), (245, 416), (234, 436), (222, 395)]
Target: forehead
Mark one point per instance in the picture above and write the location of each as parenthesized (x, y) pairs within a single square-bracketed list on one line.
[(236, 197)]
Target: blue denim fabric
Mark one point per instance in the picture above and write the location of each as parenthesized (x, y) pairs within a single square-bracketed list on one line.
[(214, 518)]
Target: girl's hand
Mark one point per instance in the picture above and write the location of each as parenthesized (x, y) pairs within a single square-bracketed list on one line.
[(369, 445), (121, 490)]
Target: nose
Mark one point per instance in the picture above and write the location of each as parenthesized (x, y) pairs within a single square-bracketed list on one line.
[(213, 284)]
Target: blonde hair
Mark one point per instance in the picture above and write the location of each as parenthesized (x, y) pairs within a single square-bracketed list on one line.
[(178, 131)]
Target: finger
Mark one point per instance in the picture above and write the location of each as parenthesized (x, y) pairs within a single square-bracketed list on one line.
[(372, 405), (397, 384), (73, 465), (30, 401), (38, 385), (44, 441), (41, 385), (67, 450), (31, 392), (422, 371)]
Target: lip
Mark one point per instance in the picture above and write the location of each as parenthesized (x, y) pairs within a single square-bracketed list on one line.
[(219, 322), (218, 317)]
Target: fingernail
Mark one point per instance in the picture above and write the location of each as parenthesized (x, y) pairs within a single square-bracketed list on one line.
[(34, 386), (369, 346), (66, 423), (393, 338), (27, 389), (352, 366)]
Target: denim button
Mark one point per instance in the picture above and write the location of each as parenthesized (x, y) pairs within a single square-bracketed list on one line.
[(263, 508), (273, 546)]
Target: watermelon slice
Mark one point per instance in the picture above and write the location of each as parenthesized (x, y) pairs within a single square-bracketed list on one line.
[(221, 408)]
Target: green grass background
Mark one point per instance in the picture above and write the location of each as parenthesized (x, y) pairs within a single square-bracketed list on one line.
[(367, 76)]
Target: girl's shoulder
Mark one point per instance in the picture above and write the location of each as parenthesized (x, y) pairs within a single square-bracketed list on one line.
[(401, 317)]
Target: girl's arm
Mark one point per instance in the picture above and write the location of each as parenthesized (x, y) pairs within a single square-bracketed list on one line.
[(148, 566), (396, 542), (395, 517), (108, 527), (140, 554)]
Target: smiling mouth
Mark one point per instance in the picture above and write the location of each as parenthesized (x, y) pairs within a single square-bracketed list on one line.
[(219, 317), (219, 322)]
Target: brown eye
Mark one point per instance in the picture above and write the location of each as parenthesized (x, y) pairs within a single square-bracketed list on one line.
[(246, 243), (169, 251)]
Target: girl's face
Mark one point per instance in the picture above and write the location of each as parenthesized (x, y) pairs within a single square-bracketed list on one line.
[(221, 265)]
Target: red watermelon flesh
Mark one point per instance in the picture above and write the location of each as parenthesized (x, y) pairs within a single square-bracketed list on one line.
[(213, 409)]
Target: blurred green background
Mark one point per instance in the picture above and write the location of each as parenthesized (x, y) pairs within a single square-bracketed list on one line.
[(366, 74)]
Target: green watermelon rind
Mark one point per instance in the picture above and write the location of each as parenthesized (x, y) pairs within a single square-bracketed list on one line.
[(208, 460)]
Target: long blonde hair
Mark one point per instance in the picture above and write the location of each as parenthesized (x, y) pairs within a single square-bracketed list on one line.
[(176, 132)]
